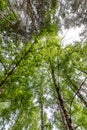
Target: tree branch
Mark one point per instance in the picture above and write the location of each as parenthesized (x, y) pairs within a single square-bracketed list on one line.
[(10, 6), (3, 16), (76, 93)]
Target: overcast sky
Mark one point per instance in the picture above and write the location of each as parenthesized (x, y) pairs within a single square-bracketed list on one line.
[(71, 35)]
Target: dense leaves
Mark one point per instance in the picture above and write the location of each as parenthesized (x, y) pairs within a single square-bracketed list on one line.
[(43, 85)]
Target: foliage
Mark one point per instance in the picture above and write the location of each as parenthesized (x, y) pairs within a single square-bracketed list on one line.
[(35, 70)]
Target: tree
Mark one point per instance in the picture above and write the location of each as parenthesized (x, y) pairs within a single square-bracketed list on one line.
[(38, 74), (73, 14)]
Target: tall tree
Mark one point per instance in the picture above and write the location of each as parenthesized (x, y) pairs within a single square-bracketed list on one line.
[(73, 14), (38, 75)]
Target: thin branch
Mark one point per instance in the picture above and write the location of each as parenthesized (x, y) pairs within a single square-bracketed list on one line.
[(83, 71), (15, 66), (75, 90), (76, 93), (3, 16), (10, 72), (10, 6)]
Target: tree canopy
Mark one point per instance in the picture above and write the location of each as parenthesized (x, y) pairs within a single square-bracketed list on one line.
[(43, 84)]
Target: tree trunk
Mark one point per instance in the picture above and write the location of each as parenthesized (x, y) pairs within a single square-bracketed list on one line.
[(42, 119), (65, 112), (60, 100), (65, 127), (41, 107)]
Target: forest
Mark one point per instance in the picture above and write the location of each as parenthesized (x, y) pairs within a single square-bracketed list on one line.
[(43, 81)]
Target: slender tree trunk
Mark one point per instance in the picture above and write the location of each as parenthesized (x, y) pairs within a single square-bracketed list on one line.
[(66, 113), (42, 115), (63, 118), (61, 101), (41, 107)]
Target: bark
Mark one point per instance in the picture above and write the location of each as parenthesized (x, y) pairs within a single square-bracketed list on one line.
[(30, 11), (66, 113), (41, 12), (60, 100), (63, 118)]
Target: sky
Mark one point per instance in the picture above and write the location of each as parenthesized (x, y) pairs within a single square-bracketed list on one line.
[(71, 35)]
